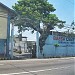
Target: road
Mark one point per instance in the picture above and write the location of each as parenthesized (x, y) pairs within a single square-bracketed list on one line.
[(54, 66)]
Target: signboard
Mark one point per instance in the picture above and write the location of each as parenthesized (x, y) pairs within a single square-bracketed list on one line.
[(66, 41), (62, 38), (3, 26)]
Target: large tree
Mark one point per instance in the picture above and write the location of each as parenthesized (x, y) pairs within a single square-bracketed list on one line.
[(30, 13)]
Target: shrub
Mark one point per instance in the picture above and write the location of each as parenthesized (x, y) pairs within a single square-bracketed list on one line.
[(56, 45)]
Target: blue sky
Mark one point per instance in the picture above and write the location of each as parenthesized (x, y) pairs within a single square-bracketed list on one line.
[(64, 11)]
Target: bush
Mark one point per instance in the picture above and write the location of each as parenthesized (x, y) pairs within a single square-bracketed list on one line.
[(19, 52), (56, 45)]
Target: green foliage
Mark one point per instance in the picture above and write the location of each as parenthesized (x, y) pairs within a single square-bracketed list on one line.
[(56, 45), (31, 12), (19, 51)]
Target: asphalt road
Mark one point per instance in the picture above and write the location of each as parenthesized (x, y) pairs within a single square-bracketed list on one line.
[(55, 66)]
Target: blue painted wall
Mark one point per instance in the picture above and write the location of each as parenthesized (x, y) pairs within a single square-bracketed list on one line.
[(66, 48), (8, 36), (2, 46)]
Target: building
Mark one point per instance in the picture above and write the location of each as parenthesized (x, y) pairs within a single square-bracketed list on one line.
[(31, 44), (26, 46), (6, 14), (59, 44), (20, 44)]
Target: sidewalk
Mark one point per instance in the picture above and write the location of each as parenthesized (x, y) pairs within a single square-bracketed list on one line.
[(22, 55), (35, 59)]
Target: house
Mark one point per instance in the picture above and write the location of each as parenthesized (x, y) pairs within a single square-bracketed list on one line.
[(6, 14)]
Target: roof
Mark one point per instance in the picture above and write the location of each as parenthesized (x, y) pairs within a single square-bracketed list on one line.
[(22, 37), (16, 36), (59, 30), (8, 9), (67, 30)]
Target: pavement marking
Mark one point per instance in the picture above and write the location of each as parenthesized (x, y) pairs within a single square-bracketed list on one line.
[(19, 73)]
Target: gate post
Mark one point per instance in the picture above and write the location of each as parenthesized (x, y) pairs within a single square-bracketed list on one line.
[(8, 36)]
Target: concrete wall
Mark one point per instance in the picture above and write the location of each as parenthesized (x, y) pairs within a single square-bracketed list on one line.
[(3, 23), (66, 47), (3, 27)]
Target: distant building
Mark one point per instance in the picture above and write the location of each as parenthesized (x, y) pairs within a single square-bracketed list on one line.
[(24, 45), (21, 43), (6, 14), (31, 44)]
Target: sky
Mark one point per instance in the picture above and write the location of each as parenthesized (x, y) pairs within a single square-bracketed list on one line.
[(64, 11)]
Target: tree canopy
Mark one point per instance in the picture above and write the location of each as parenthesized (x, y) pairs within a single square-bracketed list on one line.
[(30, 13)]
